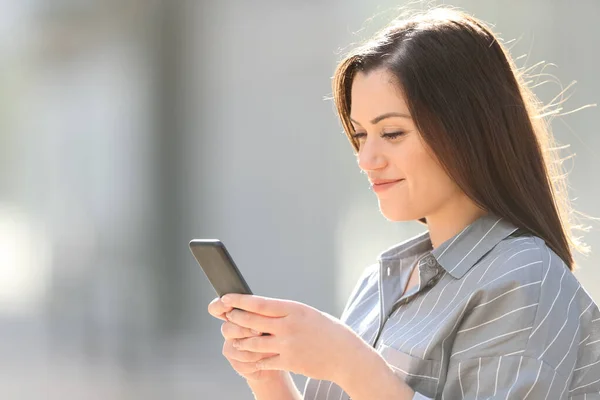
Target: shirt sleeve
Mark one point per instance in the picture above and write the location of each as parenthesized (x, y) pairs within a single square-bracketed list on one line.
[(550, 352), (510, 377)]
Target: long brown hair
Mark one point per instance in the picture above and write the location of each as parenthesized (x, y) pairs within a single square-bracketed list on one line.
[(474, 111)]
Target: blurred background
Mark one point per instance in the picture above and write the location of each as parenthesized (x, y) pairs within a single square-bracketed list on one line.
[(128, 128)]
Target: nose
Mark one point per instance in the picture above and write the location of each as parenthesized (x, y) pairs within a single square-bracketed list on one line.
[(370, 156)]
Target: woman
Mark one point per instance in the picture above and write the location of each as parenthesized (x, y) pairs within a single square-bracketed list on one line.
[(482, 305)]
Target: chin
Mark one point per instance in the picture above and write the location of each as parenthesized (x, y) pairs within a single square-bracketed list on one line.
[(398, 214)]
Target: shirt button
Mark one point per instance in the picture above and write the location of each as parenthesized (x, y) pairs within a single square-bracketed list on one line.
[(431, 261)]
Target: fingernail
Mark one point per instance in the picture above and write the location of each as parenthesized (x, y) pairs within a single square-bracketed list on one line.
[(236, 344), (228, 315), (226, 299), (255, 332)]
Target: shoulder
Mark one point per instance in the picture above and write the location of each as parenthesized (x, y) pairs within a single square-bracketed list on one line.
[(544, 308), (525, 260), (531, 272)]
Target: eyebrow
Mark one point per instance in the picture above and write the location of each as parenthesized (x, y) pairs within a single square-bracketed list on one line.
[(384, 116)]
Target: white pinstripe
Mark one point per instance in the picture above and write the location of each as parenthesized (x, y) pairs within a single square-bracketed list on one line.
[(505, 293), (451, 243), (550, 387), (376, 320), (392, 256), (501, 254), (509, 258), (586, 366), (328, 390), (444, 341), (489, 266), (595, 341), (489, 340), (514, 353), (361, 301), (549, 263), (477, 244), (462, 392), (586, 338), (497, 371), (574, 335), (350, 307), (464, 280), (468, 301), (364, 299), (582, 386), (565, 388), (428, 314), (563, 325), (552, 306), (317, 391), (368, 310), (534, 383), (478, 370), (430, 311), (516, 379), (496, 319), (416, 313)]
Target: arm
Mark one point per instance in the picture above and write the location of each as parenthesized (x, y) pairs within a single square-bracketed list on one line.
[(280, 388), (368, 376)]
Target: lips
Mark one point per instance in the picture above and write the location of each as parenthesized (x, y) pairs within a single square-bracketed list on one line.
[(382, 185), (377, 182)]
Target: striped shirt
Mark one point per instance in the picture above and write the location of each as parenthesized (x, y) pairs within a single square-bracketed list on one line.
[(496, 315)]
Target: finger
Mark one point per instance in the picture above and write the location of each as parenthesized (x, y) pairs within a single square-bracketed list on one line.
[(229, 330), (217, 309), (243, 368), (258, 305), (231, 353), (270, 363), (258, 344), (249, 320)]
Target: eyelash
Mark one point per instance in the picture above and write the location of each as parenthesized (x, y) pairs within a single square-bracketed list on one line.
[(391, 135)]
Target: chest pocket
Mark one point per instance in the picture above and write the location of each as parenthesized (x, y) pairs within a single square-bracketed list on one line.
[(421, 375)]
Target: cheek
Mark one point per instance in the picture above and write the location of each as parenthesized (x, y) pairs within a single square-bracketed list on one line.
[(429, 182), (427, 189)]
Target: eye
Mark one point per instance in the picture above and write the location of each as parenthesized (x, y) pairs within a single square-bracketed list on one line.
[(392, 135), (358, 135)]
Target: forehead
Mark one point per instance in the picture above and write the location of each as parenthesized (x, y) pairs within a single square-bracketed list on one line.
[(375, 93)]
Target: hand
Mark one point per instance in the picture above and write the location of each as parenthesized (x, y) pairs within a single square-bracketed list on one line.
[(304, 340), (243, 362)]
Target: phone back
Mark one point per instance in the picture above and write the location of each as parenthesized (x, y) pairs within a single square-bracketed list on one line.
[(219, 267)]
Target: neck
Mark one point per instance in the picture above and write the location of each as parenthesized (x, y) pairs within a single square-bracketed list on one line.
[(451, 219)]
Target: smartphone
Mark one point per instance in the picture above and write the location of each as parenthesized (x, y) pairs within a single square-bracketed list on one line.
[(219, 267)]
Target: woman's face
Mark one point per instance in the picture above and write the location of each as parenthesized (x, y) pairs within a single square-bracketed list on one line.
[(391, 150)]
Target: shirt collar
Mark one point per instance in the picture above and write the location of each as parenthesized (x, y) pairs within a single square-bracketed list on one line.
[(460, 253)]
